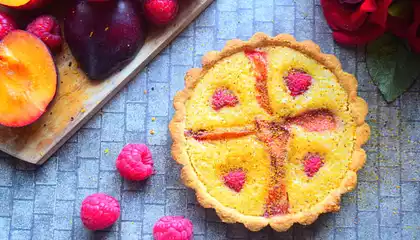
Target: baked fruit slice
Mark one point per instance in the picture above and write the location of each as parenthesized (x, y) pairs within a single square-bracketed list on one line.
[(269, 132)]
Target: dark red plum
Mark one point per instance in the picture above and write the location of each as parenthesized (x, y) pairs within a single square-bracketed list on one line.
[(103, 36)]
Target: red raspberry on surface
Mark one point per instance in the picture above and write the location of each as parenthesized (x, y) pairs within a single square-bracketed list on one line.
[(48, 30), (135, 162), (235, 180), (173, 228), (298, 82), (7, 24), (160, 12), (223, 98), (99, 211), (312, 165)]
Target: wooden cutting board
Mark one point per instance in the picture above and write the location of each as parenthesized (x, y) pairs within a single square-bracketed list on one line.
[(79, 98)]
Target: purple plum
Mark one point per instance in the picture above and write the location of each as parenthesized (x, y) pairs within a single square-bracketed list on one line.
[(104, 36)]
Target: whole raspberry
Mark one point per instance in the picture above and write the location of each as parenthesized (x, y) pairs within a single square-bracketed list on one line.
[(223, 98), (6, 25), (99, 211), (235, 180), (173, 228), (135, 162), (298, 82), (160, 12), (312, 165), (48, 30)]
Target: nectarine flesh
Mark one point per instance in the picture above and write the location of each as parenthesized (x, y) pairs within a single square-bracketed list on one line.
[(24, 4), (28, 79)]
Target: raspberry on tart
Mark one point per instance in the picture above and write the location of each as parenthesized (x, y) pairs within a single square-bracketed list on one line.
[(235, 179), (298, 82), (312, 164), (279, 141), (222, 97)]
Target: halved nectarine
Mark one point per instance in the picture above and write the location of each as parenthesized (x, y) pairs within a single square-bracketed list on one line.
[(24, 4), (28, 79)]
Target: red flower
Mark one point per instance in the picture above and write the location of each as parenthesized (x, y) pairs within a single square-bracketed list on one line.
[(356, 23), (407, 26)]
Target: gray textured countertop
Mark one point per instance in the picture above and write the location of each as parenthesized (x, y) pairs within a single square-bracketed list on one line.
[(43, 202)]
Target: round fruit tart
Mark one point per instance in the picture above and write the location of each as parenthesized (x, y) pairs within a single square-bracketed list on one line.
[(269, 132)]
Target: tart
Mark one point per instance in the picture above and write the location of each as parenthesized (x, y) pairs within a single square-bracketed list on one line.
[(269, 132)]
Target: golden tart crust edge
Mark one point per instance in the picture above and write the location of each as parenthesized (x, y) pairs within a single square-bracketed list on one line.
[(358, 108)]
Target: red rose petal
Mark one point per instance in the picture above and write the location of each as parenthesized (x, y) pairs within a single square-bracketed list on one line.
[(398, 26), (414, 29), (363, 35), (356, 25), (340, 18), (368, 6)]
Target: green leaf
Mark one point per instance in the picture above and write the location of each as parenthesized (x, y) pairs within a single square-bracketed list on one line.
[(402, 8), (391, 65)]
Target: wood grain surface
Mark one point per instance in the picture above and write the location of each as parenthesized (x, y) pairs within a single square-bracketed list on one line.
[(78, 98)]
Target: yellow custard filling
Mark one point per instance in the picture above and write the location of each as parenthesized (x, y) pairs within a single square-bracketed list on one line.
[(211, 159)]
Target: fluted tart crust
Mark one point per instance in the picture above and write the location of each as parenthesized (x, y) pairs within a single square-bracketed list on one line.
[(269, 132)]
